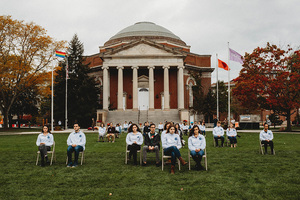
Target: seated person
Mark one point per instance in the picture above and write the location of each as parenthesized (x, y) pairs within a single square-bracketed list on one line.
[(101, 131), (111, 130), (218, 133), (171, 144), (202, 128), (196, 144), (231, 134), (125, 126), (151, 143), (160, 127), (146, 128), (134, 140), (76, 143), (44, 142), (266, 137)]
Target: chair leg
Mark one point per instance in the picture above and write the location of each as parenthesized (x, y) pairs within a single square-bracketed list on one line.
[(37, 158), (52, 158), (189, 162), (82, 157)]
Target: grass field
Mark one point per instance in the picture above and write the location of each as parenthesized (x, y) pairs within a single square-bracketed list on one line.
[(240, 173)]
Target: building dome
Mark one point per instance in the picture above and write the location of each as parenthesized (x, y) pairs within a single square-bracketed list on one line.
[(147, 30)]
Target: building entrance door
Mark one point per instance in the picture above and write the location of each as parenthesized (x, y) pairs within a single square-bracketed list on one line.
[(143, 98)]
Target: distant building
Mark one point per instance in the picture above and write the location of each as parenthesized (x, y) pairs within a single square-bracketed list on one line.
[(143, 73)]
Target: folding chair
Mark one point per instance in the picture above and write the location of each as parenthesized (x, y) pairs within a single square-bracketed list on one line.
[(261, 148), (203, 157), (214, 142), (167, 157), (48, 152), (127, 152), (82, 157)]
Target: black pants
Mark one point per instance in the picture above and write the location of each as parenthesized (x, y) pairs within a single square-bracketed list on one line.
[(266, 143), (43, 151), (232, 140), (133, 151), (219, 138)]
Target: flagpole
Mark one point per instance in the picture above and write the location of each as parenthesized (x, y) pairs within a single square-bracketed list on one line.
[(217, 86), (52, 98), (66, 111), (228, 119)]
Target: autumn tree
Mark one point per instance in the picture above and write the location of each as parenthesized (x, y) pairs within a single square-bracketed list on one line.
[(270, 79), (82, 91), (26, 51)]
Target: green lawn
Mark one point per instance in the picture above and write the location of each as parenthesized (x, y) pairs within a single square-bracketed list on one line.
[(240, 173)]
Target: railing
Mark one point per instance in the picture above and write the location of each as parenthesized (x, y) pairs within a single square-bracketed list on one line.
[(147, 113)]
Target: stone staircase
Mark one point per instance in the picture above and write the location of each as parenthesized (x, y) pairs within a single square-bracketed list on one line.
[(155, 116)]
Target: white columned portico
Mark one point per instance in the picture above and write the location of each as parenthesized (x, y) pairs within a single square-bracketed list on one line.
[(151, 87), (134, 87), (166, 88), (120, 88), (105, 87), (180, 86)]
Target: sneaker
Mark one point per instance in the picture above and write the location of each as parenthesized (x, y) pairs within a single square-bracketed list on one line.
[(75, 165), (70, 164), (158, 164), (144, 164)]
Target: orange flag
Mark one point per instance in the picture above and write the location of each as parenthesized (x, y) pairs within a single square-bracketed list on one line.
[(223, 65)]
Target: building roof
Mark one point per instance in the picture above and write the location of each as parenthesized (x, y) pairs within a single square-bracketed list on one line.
[(147, 30)]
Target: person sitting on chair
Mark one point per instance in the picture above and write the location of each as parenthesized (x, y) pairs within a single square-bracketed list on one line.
[(76, 143), (151, 143), (111, 130), (202, 128), (231, 133), (44, 142), (196, 144), (101, 131), (134, 140), (218, 133), (171, 144), (266, 137)]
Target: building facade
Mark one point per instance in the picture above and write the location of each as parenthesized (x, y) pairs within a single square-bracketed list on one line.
[(144, 72)]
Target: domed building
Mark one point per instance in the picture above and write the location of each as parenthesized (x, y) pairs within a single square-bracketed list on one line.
[(144, 75)]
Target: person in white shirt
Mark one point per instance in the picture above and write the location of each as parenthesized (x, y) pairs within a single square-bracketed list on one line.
[(134, 140), (76, 143), (231, 134), (44, 142), (185, 128), (196, 144), (125, 126), (266, 137), (218, 133), (171, 144), (202, 128), (160, 127), (101, 131)]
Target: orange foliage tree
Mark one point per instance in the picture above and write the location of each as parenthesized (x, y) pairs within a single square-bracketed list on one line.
[(26, 51), (270, 79)]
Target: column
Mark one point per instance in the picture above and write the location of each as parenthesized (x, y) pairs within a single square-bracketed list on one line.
[(180, 86), (166, 88), (151, 87), (105, 87), (120, 88), (134, 87)]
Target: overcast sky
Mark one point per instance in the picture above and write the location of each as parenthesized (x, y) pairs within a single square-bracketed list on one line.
[(207, 26)]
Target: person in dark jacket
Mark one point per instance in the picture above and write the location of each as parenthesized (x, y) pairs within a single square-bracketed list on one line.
[(111, 130), (151, 143)]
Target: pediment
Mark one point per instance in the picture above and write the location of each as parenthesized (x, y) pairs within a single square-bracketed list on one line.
[(143, 50)]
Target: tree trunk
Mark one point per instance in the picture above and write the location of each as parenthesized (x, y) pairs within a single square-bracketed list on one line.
[(288, 119), (5, 120)]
